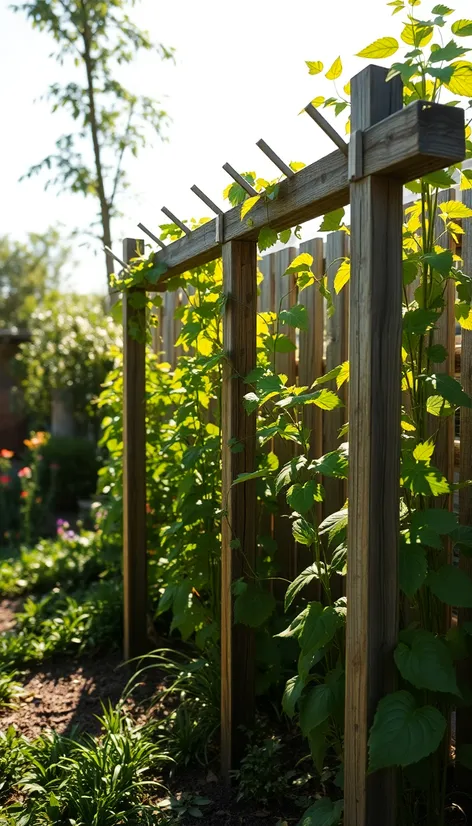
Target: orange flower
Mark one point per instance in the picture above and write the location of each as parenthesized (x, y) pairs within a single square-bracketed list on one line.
[(24, 494), (37, 439), (6, 454)]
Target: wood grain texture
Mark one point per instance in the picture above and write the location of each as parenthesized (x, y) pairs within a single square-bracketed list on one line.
[(239, 502), (285, 363), (410, 143), (374, 446), (134, 477), (464, 717), (336, 352), (310, 356)]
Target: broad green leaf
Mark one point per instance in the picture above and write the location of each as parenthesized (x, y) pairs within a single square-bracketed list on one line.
[(314, 66), (304, 532), (437, 406), (462, 28), (295, 316), (420, 478), (324, 812), (248, 204), (319, 628), (342, 276), (292, 693), (328, 400), (267, 238), (423, 451), (254, 606), (296, 626), (449, 388), (448, 52), (306, 576), (455, 209), (402, 732), (418, 322), (437, 353), (299, 264), (251, 402), (334, 525), (440, 261), (416, 35), (279, 344), (246, 477), (318, 743), (442, 10), (332, 220), (315, 708), (426, 662), (439, 520), (451, 585), (413, 568), (302, 497), (289, 472), (383, 47), (335, 71), (332, 464)]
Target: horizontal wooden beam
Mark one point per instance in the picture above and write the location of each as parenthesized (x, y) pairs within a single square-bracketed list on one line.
[(418, 139)]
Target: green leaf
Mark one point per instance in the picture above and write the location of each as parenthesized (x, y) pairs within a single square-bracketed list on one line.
[(324, 812), (383, 47), (437, 406), (462, 28), (442, 10), (267, 238), (254, 606), (303, 532), (248, 204), (437, 520), (306, 576), (314, 66), (319, 628), (332, 220), (402, 732), (280, 344), (449, 388), (418, 322), (455, 209), (335, 71), (295, 316), (452, 586), (286, 234), (246, 477), (299, 264), (342, 276), (448, 52), (292, 694), (440, 261), (332, 464), (437, 353), (321, 701), (301, 497), (318, 742), (420, 478), (426, 662), (413, 568), (423, 451)]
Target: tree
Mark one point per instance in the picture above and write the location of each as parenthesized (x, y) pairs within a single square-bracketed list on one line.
[(27, 272), (99, 37)]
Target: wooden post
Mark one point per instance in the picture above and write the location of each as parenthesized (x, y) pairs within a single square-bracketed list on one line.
[(374, 425), (464, 717), (134, 472), (310, 360), (238, 552)]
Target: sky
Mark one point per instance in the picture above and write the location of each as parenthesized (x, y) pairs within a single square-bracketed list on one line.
[(239, 75)]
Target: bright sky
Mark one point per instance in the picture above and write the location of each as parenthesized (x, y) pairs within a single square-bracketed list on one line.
[(239, 75)]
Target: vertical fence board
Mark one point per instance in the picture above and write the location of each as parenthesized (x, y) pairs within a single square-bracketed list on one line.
[(374, 444), (266, 304), (238, 552), (336, 353), (134, 474), (310, 357), (284, 298), (464, 717)]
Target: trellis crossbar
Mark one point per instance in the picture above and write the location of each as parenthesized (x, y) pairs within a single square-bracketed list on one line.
[(390, 145)]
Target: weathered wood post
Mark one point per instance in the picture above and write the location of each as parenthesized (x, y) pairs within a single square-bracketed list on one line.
[(134, 471), (238, 552), (374, 448)]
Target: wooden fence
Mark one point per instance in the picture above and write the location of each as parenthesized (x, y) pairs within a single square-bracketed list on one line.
[(389, 146)]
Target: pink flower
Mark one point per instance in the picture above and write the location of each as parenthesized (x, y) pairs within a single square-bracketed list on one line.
[(25, 473), (4, 480), (6, 454)]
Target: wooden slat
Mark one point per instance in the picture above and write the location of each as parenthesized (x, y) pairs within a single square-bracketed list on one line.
[(336, 353), (134, 474), (265, 520), (412, 142), (464, 717), (445, 334), (374, 446), (238, 553), (284, 298), (310, 358)]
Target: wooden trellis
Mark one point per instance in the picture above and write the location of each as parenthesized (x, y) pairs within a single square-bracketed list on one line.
[(389, 146)]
